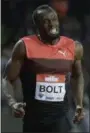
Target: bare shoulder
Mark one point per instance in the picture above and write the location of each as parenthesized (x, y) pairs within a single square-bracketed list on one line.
[(78, 50), (19, 50)]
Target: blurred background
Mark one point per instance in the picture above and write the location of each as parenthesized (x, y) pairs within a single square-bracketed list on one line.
[(16, 22)]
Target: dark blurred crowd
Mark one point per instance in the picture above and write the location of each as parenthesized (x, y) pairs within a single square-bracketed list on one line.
[(16, 18), (17, 22)]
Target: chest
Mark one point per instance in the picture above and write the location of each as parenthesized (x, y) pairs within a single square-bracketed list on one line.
[(49, 52), (50, 59)]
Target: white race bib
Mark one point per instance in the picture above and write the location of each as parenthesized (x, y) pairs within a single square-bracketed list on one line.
[(53, 92)]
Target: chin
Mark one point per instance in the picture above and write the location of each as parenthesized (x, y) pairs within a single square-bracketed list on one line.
[(54, 35)]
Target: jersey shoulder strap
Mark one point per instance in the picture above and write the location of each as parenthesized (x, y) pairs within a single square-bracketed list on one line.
[(31, 45)]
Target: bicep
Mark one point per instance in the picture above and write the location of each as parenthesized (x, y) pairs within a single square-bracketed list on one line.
[(77, 65), (13, 67)]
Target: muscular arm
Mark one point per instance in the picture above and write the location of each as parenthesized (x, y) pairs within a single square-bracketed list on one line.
[(77, 75), (12, 70)]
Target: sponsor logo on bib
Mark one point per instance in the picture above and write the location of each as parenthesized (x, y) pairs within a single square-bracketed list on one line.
[(51, 79)]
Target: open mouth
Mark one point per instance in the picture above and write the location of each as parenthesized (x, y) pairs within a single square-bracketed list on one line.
[(53, 31)]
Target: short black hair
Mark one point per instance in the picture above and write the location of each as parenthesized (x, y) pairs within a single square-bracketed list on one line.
[(42, 7)]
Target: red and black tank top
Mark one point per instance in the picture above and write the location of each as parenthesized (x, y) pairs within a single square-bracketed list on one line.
[(43, 74)]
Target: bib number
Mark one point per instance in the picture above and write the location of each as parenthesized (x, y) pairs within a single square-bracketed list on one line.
[(50, 91)]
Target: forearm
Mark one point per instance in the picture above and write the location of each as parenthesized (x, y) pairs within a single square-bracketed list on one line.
[(78, 90), (8, 91)]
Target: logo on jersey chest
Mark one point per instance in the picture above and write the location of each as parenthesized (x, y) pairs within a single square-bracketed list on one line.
[(63, 52)]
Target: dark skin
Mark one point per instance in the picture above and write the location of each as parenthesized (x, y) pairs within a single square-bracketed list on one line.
[(77, 82), (47, 22), (17, 59), (12, 72)]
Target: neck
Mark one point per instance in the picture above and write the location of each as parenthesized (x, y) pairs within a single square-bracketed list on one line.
[(47, 39)]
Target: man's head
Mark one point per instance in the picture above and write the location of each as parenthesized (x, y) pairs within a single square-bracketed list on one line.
[(46, 21)]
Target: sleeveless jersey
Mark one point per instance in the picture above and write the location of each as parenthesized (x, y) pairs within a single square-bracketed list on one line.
[(43, 77)]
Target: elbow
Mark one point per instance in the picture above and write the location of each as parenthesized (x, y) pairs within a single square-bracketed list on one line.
[(77, 76)]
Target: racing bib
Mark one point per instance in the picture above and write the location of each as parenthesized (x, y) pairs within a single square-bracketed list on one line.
[(49, 88)]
